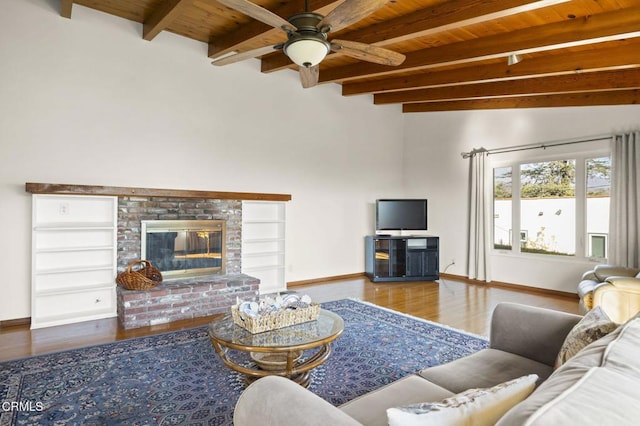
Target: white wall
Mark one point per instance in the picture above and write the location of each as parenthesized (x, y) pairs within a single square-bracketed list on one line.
[(434, 169), (88, 101)]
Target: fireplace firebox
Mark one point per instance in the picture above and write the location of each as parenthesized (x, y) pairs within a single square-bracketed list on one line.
[(184, 248)]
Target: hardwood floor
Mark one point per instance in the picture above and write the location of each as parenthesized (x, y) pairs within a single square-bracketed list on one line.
[(450, 301)]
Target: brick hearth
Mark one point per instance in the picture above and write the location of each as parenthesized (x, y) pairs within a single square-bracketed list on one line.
[(183, 299)]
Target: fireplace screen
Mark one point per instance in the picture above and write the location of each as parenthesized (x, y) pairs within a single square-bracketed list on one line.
[(184, 248)]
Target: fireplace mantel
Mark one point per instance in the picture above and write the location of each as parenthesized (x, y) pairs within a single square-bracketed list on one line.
[(68, 189)]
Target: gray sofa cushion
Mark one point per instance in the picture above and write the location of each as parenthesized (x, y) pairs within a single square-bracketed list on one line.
[(591, 388), (484, 369), (371, 409)]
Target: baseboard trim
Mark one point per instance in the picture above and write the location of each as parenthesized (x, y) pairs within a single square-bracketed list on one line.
[(510, 286), (321, 280), (15, 322)]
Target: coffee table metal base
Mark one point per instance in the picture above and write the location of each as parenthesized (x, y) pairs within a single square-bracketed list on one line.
[(296, 370), (290, 352)]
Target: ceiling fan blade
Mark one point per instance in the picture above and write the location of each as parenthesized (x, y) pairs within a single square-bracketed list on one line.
[(241, 56), (367, 52), (350, 12), (309, 76), (259, 13)]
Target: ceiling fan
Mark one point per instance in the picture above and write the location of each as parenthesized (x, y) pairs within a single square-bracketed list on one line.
[(307, 43)]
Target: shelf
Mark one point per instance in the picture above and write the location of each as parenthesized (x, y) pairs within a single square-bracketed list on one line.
[(248, 222), (263, 253), (263, 240), (79, 269), (264, 268), (63, 226), (73, 258), (74, 290), (263, 243), (73, 249), (67, 189)]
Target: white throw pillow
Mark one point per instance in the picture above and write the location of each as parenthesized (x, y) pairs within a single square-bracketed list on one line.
[(472, 407)]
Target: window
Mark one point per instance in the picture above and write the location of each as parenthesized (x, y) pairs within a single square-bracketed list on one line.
[(547, 206), (597, 246), (502, 210), (559, 207), (598, 183)]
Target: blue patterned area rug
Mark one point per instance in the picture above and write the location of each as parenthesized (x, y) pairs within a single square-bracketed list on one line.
[(178, 379)]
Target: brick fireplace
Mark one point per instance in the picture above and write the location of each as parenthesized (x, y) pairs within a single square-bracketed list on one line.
[(178, 299), (133, 210)]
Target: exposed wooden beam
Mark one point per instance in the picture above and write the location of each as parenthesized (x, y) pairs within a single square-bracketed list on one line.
[(255, 31), (445, 16), (163, 16), (65, 8), (56, 188), (614, 97), (626, 53), (618, 24), (581, 82)]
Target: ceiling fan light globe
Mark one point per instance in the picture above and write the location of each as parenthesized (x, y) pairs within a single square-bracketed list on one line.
[(307, 52)]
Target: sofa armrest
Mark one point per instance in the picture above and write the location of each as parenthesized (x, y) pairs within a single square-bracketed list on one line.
[(275, 400), (619, 297), (631, 284), (529, 331), (603, 272)]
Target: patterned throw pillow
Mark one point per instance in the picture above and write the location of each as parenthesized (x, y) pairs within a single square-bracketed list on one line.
[(477, 407), (594, 325)]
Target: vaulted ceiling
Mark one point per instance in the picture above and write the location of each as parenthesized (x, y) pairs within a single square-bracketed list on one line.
[(573, 52)]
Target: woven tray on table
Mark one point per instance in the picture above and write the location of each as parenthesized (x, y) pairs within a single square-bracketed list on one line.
[(145, 277), (284, 318)]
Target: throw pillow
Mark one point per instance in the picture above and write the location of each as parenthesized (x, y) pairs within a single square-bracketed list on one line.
[(477, 407), (594, 325)]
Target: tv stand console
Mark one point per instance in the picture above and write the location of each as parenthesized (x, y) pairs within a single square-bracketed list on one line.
[(401, 258)]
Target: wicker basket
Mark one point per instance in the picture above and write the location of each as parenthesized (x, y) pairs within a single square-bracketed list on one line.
[(144, 278), (281, 319)]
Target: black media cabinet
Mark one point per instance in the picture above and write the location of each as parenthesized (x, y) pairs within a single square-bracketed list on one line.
[(402, 258)]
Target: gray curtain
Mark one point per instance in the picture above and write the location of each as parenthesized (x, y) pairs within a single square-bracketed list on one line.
[(624, 233), (479, 214)]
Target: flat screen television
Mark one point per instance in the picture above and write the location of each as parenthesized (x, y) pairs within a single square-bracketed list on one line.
[(407, 214)]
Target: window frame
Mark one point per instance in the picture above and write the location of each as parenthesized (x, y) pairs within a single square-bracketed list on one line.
[(582, 238)]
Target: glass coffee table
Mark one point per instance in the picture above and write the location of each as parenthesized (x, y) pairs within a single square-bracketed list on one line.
[(289, 352)]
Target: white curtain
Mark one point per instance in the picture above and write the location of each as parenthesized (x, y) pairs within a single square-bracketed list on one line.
[(624, 233), (479, 215)]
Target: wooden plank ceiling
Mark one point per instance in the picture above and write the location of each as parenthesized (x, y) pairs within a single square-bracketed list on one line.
[(573, 52)]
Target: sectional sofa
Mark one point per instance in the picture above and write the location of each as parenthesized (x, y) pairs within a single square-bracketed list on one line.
[(599, 385)]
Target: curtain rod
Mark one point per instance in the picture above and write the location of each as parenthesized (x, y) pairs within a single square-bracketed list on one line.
[(532, 146)]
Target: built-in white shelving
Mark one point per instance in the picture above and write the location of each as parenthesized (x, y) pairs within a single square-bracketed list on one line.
[(73, 258), (263, 243)]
